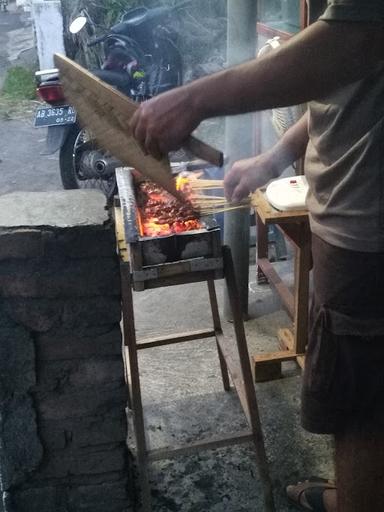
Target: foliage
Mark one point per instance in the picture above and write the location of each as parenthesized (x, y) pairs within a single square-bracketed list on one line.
[(200, 25), (20, 83)]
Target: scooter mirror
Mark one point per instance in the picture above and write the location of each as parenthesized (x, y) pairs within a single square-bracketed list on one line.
[(77, 24)]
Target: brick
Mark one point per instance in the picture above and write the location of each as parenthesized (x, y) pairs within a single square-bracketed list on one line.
[(21, 451), (50, 279), (84, 461), (39, 315), (41, 499), (20, 243), (91, 311), (43, 315), (81, 242), (111, 497), (69, 374), (97, 400), (80, 344), (81, 432), (17, 362)]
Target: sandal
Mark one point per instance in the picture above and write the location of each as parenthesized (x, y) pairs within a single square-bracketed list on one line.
[(313, 489)]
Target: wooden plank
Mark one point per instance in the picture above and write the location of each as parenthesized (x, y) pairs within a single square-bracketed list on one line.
[(268, 366), (266, 372), (271, 357), (269, 214), (287, 341), (129, 337), (266, 31), (286, 338), (262, 247), (245, 386), (275, 280), (303, 14), (204, 444), (120, 236), (191, 277), (303, 263), (234, 371), (217, 326), (159, 341)]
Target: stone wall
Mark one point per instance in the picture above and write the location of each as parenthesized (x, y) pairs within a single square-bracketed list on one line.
[(62, 392)]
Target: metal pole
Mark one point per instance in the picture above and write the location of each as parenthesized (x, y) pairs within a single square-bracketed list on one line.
[(241, 46)]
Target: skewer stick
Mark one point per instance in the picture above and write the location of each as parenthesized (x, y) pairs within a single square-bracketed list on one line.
[(205, 197), (198, 183), (214, 211)]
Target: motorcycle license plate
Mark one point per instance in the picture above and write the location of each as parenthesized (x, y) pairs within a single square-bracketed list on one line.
[(55, 116)]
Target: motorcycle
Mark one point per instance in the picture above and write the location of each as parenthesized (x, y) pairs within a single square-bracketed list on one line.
[(138, 56)]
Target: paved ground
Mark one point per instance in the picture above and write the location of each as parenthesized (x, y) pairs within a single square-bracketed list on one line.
[(16, 39), (22, 167)]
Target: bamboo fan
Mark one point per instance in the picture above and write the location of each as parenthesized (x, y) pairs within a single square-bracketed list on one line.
[(107, 112)]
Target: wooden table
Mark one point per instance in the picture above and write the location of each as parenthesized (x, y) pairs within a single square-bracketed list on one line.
[(293, 340)]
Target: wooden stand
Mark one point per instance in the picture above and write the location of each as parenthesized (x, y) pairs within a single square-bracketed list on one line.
[(295, 226), (234, 362)]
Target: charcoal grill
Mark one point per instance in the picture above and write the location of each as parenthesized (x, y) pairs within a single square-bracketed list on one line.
[(193, 256), (157, 259)]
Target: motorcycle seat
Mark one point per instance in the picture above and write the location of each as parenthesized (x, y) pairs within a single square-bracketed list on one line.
[(121, 81)]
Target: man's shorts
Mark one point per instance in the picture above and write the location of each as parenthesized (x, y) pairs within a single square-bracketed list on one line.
[(344, 370)]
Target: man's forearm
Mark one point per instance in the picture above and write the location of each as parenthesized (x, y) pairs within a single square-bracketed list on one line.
[(291, 146), (248, 174), (322, 58)]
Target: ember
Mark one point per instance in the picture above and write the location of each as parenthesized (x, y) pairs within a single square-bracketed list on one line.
[(161, 214)]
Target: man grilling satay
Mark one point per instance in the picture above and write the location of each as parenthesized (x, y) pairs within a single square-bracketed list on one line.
[(337, 65)]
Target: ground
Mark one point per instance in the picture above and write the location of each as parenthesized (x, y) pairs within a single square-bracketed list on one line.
[(182, 391), (22, 166)]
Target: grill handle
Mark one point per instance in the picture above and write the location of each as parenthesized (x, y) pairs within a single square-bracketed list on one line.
[(204, 151)]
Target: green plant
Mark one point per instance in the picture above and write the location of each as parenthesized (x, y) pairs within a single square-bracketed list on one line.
[(19, 84), (107, 12)]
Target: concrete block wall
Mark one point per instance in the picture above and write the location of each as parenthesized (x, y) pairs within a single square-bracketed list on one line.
[(63, 426)]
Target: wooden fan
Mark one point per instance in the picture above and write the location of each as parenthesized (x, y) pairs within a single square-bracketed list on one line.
[(107, 112)]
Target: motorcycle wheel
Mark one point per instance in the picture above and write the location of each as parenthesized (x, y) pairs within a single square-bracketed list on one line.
[(77, 145)]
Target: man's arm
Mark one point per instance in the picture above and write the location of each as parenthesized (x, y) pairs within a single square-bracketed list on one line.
[(249, 174), (317, 61)]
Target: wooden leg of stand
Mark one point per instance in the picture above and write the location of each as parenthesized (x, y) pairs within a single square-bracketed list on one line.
[(257, 433), (217, 327), (303, 265), (262, 247), (136, 402)]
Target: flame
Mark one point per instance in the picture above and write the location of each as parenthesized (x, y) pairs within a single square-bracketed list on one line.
[(181, 182)]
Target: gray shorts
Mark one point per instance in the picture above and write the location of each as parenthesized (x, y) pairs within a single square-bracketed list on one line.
[(344, 370)]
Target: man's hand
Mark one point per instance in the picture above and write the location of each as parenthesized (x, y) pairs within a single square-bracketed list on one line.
[(163, 123), (248, 175)]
